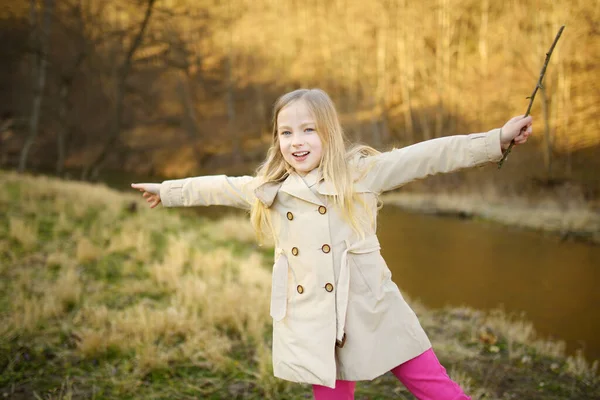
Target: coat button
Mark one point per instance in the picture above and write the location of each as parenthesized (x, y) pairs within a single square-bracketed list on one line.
[(322, 210), (295, 251), (290, 216), (300, 289), (326, 248), (329, 287)]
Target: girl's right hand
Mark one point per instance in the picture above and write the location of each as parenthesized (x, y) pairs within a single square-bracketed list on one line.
[(151, 192)]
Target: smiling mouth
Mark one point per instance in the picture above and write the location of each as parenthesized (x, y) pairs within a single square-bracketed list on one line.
[(300, 154)]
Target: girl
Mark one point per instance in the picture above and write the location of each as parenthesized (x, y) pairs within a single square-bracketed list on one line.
[(337, 315)]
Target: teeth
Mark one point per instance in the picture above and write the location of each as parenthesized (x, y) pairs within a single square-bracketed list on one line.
[(303, 153)]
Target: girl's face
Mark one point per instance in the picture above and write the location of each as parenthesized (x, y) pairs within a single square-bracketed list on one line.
[(299, 141)]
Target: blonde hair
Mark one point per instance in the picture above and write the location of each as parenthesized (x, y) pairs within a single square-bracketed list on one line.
[(334, 167)]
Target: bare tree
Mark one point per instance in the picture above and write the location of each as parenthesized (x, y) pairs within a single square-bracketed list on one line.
[(39, 75), (379, 116), (404, 43), (66, 82), (236, 148), (442, 62), (6, 125), (122, 74)]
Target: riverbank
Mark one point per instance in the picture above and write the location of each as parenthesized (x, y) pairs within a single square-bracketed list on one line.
[(101, 297), (571, 220)]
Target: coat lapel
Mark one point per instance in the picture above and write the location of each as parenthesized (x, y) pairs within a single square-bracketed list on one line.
[(295, 186), (267, 191)]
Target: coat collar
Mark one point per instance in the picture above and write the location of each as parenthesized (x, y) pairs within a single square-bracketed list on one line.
[(312, 177), (298, 186), (292, 184)]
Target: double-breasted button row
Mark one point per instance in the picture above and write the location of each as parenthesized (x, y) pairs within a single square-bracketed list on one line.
[(328, 287), (322, 210), (325, 249)]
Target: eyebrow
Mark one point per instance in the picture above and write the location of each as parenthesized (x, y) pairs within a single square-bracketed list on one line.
[(301, 125)]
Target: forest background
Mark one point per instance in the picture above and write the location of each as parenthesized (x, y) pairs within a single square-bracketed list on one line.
[(172, 88)]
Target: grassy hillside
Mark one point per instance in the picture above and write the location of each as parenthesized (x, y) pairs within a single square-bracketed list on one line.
[(103, 298)]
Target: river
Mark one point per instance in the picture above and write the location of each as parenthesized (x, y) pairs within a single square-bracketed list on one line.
[(448, 261)]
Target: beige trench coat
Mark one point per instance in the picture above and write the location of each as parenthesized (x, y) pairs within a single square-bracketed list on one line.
[(330, 288)]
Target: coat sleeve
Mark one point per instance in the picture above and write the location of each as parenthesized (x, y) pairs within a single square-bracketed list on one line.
[(395, 168), (209, 190)]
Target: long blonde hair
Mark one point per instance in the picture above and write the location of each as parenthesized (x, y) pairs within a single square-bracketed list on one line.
[(334, 167)]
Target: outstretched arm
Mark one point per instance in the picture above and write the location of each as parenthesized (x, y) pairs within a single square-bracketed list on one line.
[(395, 168), (201, 191)]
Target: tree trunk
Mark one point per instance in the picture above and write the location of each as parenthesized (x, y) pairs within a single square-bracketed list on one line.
[(439, 66), (483, 56), (191, 125), (40, 80), (65, 89), (6, 123), (382, 82), (237, 154), (406, 68), (114, 136), (63, 131)]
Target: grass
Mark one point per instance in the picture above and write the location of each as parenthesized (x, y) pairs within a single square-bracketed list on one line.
[(102, 298)]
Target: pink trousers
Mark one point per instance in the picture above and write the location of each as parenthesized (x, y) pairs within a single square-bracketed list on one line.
[(423, 376)]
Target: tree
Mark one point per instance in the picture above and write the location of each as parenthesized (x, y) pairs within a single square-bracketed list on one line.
[(39, 66), (67, 77), (122, 73)]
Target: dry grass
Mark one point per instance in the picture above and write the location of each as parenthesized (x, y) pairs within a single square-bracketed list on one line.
[(184, 300), (579, 366), (469, 386), (23, 232)]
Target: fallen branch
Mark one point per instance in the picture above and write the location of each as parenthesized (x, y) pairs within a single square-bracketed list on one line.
[(537, 86)]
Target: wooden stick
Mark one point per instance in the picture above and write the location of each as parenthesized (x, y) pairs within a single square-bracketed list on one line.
[(537, 86)]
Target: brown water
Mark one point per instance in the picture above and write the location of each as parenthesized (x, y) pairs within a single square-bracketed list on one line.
[(448, 261)]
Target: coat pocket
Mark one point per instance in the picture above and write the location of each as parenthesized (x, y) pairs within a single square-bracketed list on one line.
[(279, 288), (369, 270)]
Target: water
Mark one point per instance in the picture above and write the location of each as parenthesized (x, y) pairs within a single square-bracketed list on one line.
[(448, 261)]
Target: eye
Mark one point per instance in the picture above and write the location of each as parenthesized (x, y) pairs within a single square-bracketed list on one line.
[(284, 133), (309, 130)]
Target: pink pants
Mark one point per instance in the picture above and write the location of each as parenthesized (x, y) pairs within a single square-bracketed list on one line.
[(423, 376)]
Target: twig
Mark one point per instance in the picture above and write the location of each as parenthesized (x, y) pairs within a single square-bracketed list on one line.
[(537, 86)]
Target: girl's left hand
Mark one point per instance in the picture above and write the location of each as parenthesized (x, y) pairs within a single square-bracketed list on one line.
[(517, 128)]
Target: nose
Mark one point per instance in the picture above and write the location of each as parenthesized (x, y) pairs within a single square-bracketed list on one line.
[(297, 141)]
